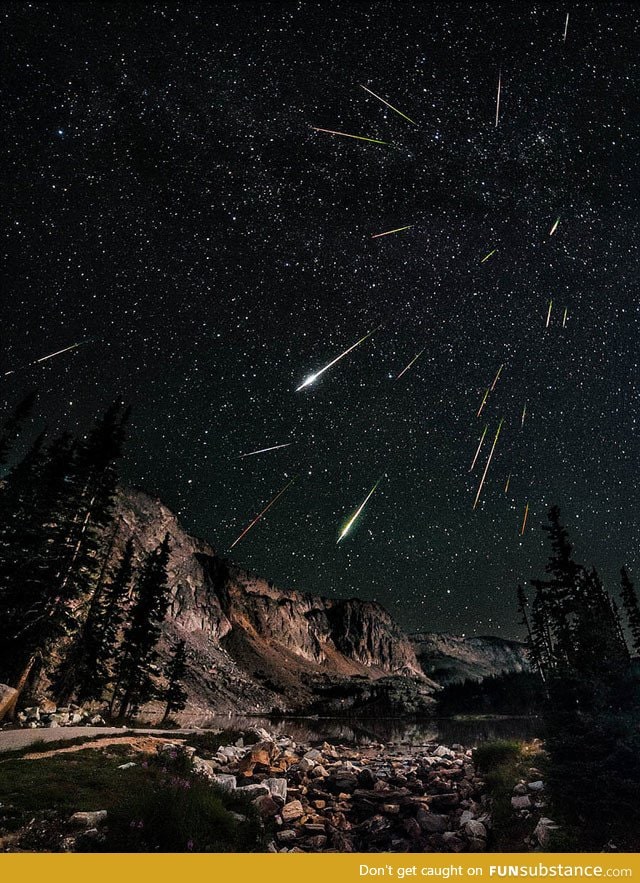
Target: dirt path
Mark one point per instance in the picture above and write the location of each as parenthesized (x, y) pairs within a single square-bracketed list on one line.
[(13, 740)]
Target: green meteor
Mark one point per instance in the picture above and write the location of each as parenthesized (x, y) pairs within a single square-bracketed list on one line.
[(356, 514), (399, 112), (487, 256)]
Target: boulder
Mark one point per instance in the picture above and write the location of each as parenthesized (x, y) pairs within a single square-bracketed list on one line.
[(8, 697), (277, 788), (475, 830), (253, 791), (223, 781), (536, 786), (88, 819), (292, 811), (521, 802), (543, 831), (266, 806), (431, 822)]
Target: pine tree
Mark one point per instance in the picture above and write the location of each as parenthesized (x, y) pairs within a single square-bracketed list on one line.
[(631, 608), (138, 656), (174, 694), (11, 427)]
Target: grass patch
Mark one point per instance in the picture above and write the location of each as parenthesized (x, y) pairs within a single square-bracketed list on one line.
[(502, 764), (157, 806)]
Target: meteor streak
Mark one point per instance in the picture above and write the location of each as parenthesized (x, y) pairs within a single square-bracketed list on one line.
[(264, 512), (487, 256), (479, 446), (524, 414), (524, 520), (264, 450), (345, 135), (549, 314), (564, 317), (388, 232), (566, 28), (414, 359), (555, 226), (497, 377), (356, 514), (388, 105), (313, 377), (498, 95), (486, 468), (66, 349), (506, 487), (482, 403)]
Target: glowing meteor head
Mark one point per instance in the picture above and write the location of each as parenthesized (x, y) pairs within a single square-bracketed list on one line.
[(310, 379)]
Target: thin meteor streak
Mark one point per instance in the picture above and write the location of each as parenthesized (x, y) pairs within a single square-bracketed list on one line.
[(479, 446), (414, 359), (564, 317), (487, 256), (566, 28), (264, 512), (66, 349), (486, 468), (388, 232), (346, 135), (549, 314), (497, 377), (524, 414), (264, 450), (524, 520), (356, 514), (389, 105), (555, 226), (482, 403), (506, 487), (498, 95), (313, 377)]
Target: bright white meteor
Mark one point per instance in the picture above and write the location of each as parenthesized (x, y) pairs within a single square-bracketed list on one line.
[(356, 514), (264, 450), (66, 349), (313, 377), (389, 105)]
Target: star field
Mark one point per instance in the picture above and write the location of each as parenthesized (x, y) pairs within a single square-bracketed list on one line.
[(167, 200)]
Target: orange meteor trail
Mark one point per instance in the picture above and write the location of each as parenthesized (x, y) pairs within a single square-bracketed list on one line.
[(486, 468), (388, 232), (388, 105), (345, 135), (479, 446), (524, 520), (264, 511), (414, 359)]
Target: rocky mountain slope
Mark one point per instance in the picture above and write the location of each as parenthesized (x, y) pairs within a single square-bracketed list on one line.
[(453, 658), (252, 646), (255, 648)]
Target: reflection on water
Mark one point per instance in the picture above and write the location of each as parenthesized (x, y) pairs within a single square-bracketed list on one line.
[(363, 730)]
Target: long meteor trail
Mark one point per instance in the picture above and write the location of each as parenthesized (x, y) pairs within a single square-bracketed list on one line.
[(486, 468), (264, 512), (496, 378), (356, 514), (263, 450), (388, 232), (487, 256), (524, 520), (498, 95), (479, 446), (313, 377), (413, 360), (66, 349), (389, 105), (346, 135)]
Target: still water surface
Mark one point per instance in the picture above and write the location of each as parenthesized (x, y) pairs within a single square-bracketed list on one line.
[(468, 732)]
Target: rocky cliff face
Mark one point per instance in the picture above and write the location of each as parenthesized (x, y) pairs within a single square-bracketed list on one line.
[(252, 646), (453, 658)]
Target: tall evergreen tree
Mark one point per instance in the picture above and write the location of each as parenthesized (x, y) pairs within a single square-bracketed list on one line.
[(175, 694), (11, 427), (137, 661), (631, 607)]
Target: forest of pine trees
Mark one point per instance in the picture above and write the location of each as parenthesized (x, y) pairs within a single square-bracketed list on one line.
[(586, 657), (73, 610)]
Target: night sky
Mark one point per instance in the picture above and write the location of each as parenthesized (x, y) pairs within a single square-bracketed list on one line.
[(167, 203)]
